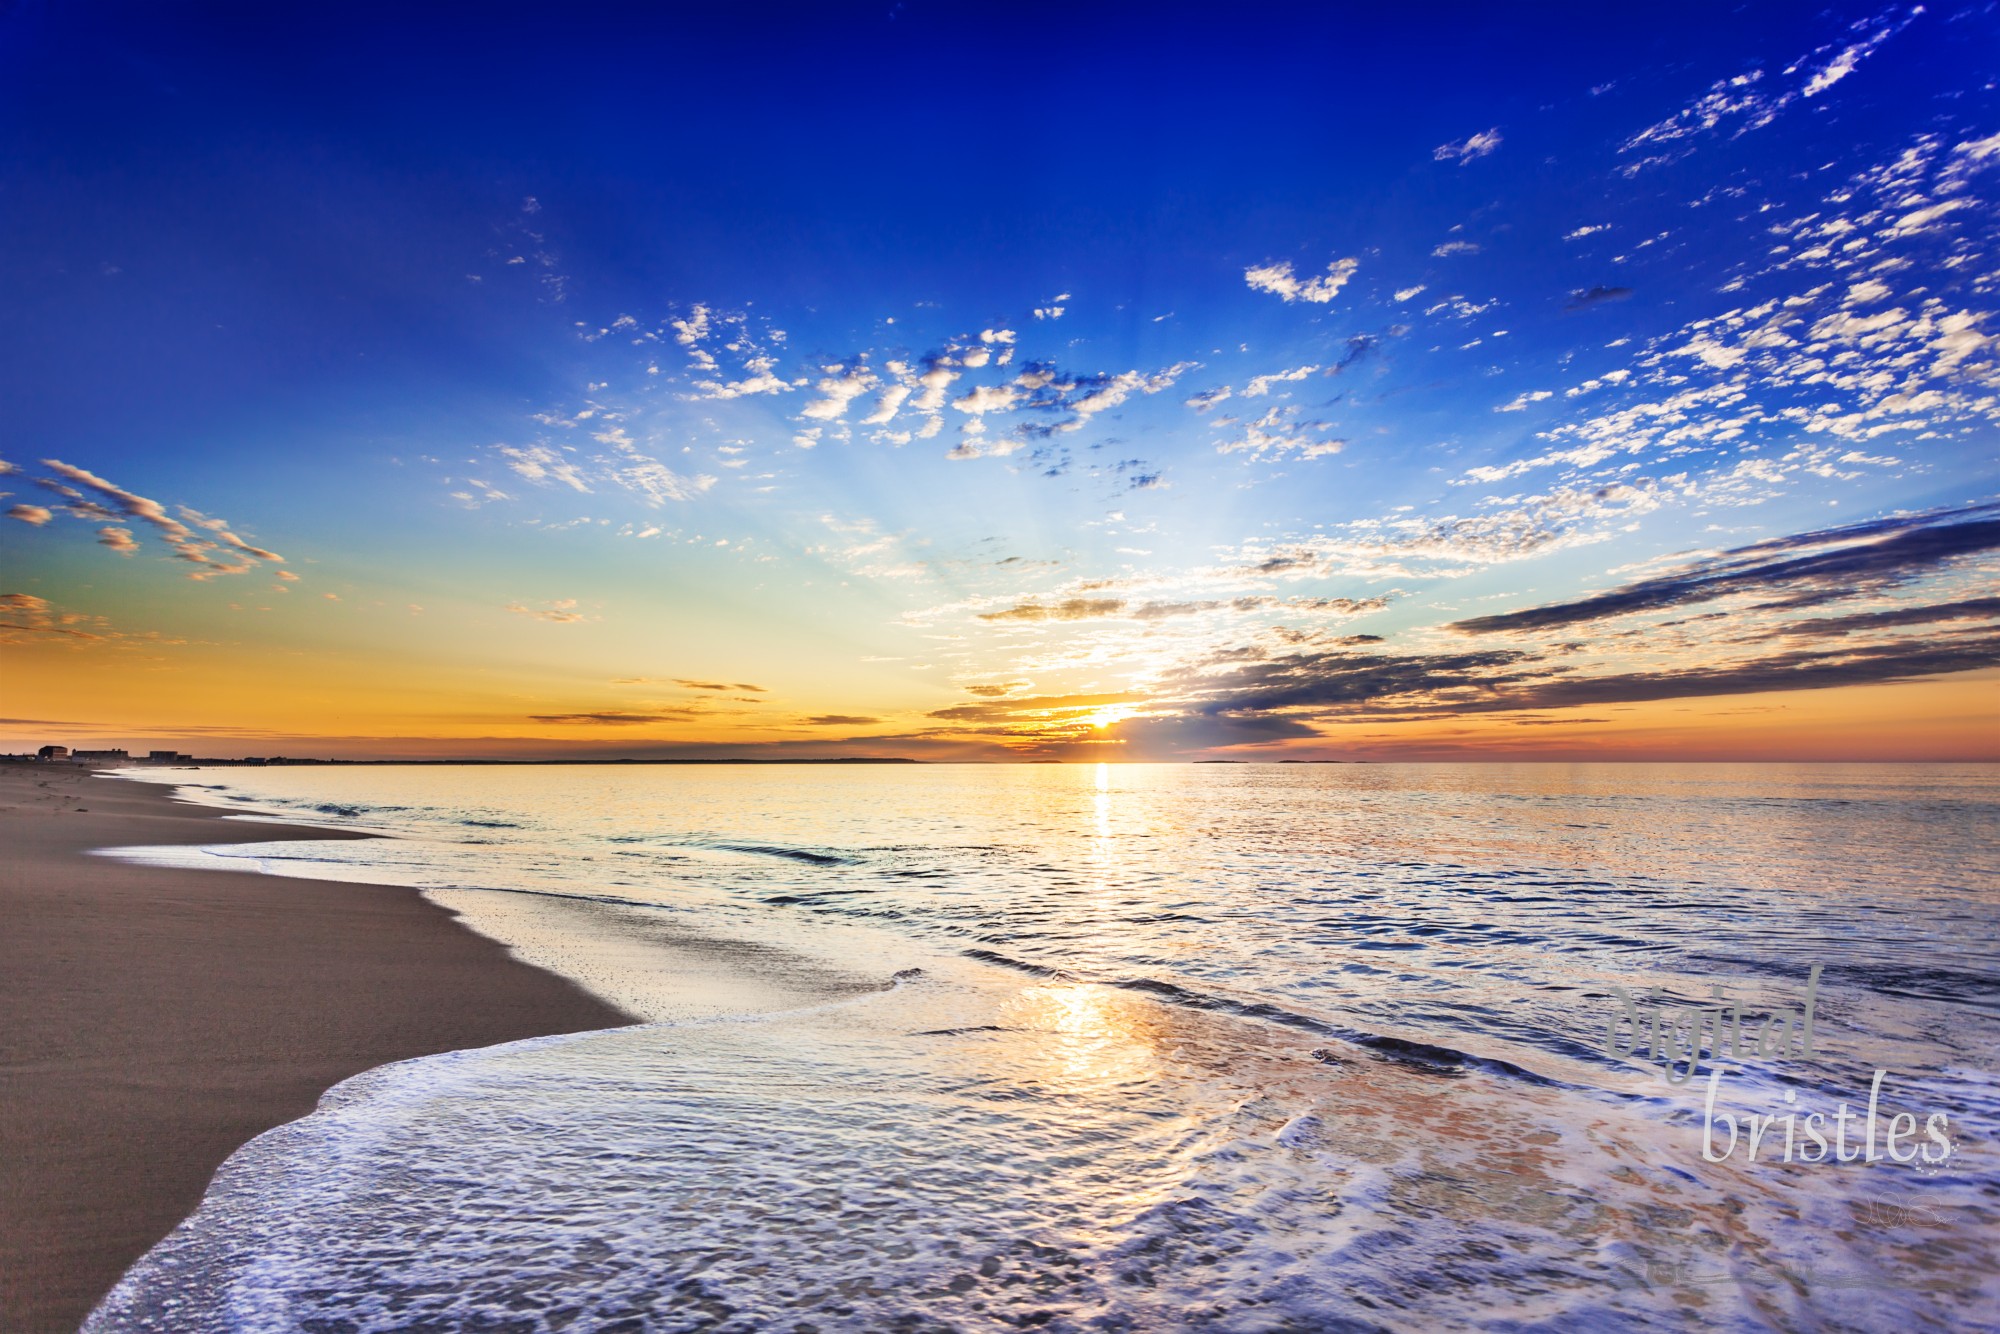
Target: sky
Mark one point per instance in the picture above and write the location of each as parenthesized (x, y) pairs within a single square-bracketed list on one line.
[(1090, 382)]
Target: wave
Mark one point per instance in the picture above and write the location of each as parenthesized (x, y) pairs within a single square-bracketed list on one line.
[(805, 855)]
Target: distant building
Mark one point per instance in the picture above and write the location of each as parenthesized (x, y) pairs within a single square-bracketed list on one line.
[(52, 753), (166, 757), (101, 756)]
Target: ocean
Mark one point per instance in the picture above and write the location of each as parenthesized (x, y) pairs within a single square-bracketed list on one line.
[(1258, 1047)]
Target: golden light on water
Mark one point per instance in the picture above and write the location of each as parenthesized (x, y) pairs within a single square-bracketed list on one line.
[(1101, 1036)]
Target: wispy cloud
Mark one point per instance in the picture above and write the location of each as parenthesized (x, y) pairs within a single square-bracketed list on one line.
[(1469, 149), (562, 612), (1806, 569), (206, 542), (1753, 99)]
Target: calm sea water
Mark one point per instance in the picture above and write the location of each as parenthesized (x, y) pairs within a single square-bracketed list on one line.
[(1229, 1047)]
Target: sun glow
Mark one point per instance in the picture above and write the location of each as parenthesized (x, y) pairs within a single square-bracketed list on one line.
[(1111, 713)]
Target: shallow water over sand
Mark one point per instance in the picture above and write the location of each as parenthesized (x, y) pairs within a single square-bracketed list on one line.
[(1231, 1047)]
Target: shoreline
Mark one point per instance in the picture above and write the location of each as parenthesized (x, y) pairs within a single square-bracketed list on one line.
[(157, 1018)]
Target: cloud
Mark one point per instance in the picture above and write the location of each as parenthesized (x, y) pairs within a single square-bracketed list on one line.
[(1588, 230), (1405, 546), (1328, 685), (562, 612), (885, 407), (841, 720), (1261, 385), (28, 619), (1093, 394), (540, 463), (1450, 248), (1406, 293), (1478, 146), (988, 398), (1596, 295), (31, 514), (703, 685), (24, 613), (1936, 613), (759, 381), (1072, 609), (841, 387), (208, 543), (1808, 568), (934, 383), (1749, 101), (1279, 280), (614, 718), (642, 474), (624, 466), (1032, 708), (690, 332), (118, 539), (1277, 434), (1086, 609)]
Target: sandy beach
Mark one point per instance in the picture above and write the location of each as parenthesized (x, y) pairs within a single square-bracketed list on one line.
[(157, 1019)]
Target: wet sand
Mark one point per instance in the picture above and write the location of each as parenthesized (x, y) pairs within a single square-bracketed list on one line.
[(152, 1020)]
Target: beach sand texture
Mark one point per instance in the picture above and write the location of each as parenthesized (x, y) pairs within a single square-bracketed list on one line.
[(152, 1020)]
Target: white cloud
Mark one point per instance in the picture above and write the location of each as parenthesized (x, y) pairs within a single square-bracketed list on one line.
[(1478, 146), (1405, 293), (1716, 354), (1109, 393), (1918, 219), (1450, 248), (1280, 281), (1521, 401), (1261, 385), (838, 391), (1980, 149), (1277, 434), (988, 398), (935, 381), (690, 332), (1749, 101), (1591, 230), (762, 382), (539, 463), (886, 406), (626, 467)]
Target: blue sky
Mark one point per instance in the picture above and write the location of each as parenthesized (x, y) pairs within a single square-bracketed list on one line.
[(1031, 381)]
